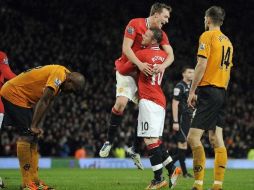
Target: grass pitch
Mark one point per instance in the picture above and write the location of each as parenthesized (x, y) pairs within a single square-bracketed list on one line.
[(122, 179)]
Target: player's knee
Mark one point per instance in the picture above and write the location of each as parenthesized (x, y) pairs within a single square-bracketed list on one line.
[(149, 141), (193, 141), (120, 103), (212, 140)]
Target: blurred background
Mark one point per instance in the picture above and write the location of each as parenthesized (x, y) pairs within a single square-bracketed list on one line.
[(86, 36)]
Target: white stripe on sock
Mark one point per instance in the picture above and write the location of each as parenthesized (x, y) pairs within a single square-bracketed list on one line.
[(167, 161), (217, 182), (157, 167), (199, 182)]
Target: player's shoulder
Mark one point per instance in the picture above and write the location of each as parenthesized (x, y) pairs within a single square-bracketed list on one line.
[(206, 34), (136, 20), (180, 84)]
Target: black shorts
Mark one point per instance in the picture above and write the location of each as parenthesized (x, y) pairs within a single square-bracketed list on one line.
[(184, 124), (210, 110), (18, 117)]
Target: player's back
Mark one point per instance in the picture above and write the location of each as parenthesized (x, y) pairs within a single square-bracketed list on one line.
[(27, 88), (149, 86), (218, 50)]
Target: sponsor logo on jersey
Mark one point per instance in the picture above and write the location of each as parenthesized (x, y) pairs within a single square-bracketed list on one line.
[(57, 82), (130, 30)]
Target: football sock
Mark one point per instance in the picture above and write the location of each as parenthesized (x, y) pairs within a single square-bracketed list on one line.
[(181, 155), (155, 155), (24, 156), (115, 122), (167, 160), (198, 165), (34, 163), (220, 163)]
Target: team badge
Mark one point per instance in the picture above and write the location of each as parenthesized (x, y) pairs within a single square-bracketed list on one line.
[(176, 91), (57, 82), (120, 90), (201, 46), (130, 30)]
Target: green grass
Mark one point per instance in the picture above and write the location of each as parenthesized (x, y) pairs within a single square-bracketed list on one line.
[(122, 179)]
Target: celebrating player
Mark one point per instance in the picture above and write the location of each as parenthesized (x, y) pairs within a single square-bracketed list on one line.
[(36, 89), (126, 86), (152, 106), (182, 115), (211, 76)]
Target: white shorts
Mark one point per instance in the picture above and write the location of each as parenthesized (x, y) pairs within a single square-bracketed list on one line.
[(151, 119), (127, 87)]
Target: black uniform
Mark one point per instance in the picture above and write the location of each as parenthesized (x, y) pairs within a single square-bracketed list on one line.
[(181, 93)]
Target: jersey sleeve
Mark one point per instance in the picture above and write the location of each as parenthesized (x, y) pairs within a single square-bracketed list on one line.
[(164, 39), (56, 78), (178, 92), (130, 30), (5, 70), (126, 68), (204, 45)]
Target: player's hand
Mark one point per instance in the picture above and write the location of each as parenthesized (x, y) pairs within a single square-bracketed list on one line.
[(145, 68), (176, 126), (159, 68), (191, 100), (37, 131)]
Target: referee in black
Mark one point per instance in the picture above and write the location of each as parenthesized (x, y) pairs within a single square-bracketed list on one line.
[(182, 115)]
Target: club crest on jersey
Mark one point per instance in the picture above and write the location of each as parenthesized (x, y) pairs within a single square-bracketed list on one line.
[(176, 91), (5, 61), (130, 30), (57, 82), (201, 46)]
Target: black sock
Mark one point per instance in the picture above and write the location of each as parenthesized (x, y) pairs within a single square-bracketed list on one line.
[(167, 160), (115, 122), (137, 142), (181, 155), (156, 162)]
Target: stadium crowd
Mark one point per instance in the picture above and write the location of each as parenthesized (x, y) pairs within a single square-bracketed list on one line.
[(86, 36)]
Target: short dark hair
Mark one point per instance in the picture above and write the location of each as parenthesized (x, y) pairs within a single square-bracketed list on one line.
[(217, 15), (185, 68), (158, 7), (157, 34)]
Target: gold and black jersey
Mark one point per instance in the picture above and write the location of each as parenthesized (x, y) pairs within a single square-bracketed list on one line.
[(218, 50)]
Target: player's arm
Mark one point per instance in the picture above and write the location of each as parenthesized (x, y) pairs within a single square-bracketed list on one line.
[(143, 67), (41, 108), (198, 75), (175, 104), (6, 71)]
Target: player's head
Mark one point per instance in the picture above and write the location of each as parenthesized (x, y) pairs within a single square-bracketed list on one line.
[(152, 36), (160, 13), (74, 82), (188, 73), (214, 16)]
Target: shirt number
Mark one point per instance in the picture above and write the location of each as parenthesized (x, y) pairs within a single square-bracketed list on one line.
[(225, 57)]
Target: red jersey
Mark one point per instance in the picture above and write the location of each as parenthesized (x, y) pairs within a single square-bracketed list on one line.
[(5, 71), (134, 30), (149, 86)]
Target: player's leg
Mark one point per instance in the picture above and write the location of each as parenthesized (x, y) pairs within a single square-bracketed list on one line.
[(155, 156), (182, 149), (125, 90), (199, 159), (167, 161), (220, 161)]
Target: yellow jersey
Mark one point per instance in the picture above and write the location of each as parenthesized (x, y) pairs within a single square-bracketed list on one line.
[(218, 50), (26, 89)]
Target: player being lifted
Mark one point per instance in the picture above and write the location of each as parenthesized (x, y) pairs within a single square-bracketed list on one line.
[(211, 76), (26, 99), (126, 88), (182, 115)]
